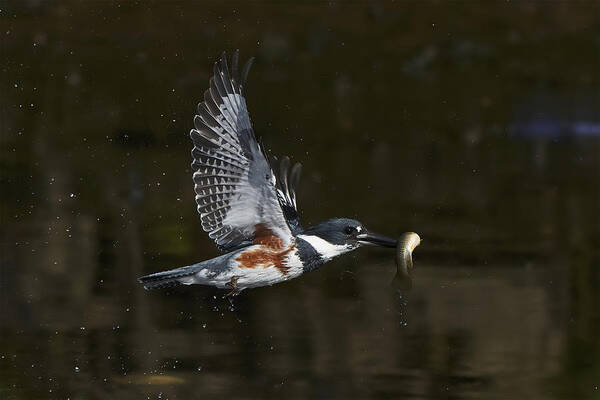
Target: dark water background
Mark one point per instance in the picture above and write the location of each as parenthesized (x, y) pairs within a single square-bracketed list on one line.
[(476, 126)]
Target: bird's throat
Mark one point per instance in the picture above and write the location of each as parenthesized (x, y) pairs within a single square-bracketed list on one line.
[(323, 248)]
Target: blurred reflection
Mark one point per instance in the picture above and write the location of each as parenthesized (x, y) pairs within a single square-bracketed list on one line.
[(474, 126)]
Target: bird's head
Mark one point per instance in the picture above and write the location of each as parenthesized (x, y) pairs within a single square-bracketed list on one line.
[(341, 235)]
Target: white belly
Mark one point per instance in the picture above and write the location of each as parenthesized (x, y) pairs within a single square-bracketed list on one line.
[(264, 274)]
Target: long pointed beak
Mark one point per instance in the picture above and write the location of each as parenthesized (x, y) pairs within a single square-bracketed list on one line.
[(376, 239)]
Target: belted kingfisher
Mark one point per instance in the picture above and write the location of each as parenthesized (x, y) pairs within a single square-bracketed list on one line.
[(248, 204)]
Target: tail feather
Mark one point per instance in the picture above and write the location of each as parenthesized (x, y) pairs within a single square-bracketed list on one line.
[(166, 279)]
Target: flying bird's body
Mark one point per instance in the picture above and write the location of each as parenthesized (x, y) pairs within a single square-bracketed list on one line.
[(247, 206)]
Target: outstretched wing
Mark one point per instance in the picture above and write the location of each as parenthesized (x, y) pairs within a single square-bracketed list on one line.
[(287, 182), (234, 184)]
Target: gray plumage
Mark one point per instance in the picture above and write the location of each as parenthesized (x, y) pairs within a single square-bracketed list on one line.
[(247, 205), (234, 184), (177, 276)]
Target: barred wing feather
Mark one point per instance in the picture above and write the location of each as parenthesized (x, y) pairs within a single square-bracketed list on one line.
[(287, 181), (234, 184)]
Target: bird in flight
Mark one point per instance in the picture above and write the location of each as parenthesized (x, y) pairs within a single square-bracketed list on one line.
[(247, 203)]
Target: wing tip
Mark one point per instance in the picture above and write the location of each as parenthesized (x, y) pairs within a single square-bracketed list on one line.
[(245, 72), (221, 70)]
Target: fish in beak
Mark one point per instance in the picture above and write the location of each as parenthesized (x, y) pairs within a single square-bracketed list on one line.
[(406, 245)]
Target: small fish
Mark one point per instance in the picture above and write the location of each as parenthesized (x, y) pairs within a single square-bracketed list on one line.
[(407, 242)]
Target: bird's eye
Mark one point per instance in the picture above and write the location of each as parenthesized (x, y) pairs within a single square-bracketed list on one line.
[(349, 230)]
